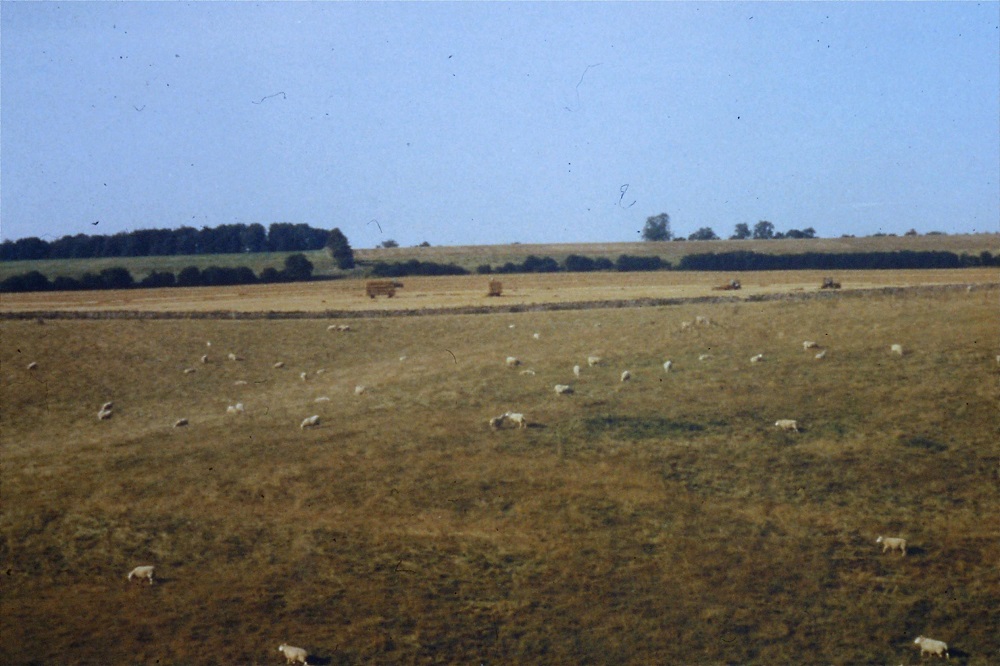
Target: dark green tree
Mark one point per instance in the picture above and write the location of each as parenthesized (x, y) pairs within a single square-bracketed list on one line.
[(340, 249), (705, 233), (741, 232), (298, 268), (763, 230), (657, 228)]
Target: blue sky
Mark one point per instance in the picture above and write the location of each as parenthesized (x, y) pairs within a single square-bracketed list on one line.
[(484, 123)]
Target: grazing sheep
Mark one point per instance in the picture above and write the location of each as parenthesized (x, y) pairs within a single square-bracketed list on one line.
[(998, 359), (787, 424), (145, 571), (497, 422), (536, 336), (338, 327), (528, 372), (821, 355), (594, 360), (896, 349), (331, 327), (810, 344), (34, 365), (188, 371), (513, 362), (931, 646), (321, 371), (204, 358), (180, 423), (563, 389), (208, 343), (240, 382), (667, 365), (235, 409), (310, 422), (757, 359), (303, 375), (517, 419), (402, 358), (107, 406), (626, 375), (279, 364), (704, 357), (685, 325), (359, 389), (322, 398), (702, 321), (104, 415), (576, 371), (232, 357), (892, 543), (293, 654)]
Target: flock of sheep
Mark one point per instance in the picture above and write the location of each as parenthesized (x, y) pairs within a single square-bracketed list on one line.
[(520, 421)]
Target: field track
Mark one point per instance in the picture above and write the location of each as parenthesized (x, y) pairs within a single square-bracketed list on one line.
[(465, 295)]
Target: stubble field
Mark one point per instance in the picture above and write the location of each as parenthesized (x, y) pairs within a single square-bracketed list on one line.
[(660, 521)]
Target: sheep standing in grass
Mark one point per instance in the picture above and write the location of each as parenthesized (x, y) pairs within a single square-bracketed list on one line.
[(563, 389), (204, 358), (33, 365), (704, 357), (702, 321), (892, 543), (189, 371), (667, 365), (233, 357), (626, 376), (104, 414), (576, 371), (787, 424), (107, 406), (897, 350), (293, 654), (279, 364), (512, 362), (821, 355), (235, 409), (594, 360), (180, 423), (517, 419), (360, 390), (310, 422), (809, 344), (931, 646), (757, 359), (145, 571)]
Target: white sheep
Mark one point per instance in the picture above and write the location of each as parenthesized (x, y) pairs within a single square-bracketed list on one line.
[(702, 321), (820, 356), (34, 365), (576, 371), (293, 654), (512, 362), (322, 398), (344, 327), (235, 409), (998, 359), (310, 422), (892, 543), (180, 423), (810, 344), (517, 419), (279, 364), (104, 415), (331, 327), (497, 422), (529, 371), (204, 358), (563, 389), (757, 359), (240, 382), (321, 371), (208, 343), (896, 349), (667, 365), (594, 360), (233, 357), (536, 336), (146, 571), (303, 375), (787, 424), (107, 406), (188, 371), (931, 646), (704, 357), (685, 325), (359, 389)]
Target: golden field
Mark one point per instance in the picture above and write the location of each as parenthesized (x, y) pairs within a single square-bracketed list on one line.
[(660, 521)]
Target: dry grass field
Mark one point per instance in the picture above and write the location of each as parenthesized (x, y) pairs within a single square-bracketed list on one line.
[(660, 521)]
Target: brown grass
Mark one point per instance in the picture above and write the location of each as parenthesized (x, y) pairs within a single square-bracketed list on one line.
[(660, 521)]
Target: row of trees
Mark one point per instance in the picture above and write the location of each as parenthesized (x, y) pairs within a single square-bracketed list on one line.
[(658, 229), (297, 268), (224, 239)]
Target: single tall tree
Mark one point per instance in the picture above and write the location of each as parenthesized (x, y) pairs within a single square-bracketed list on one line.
[(340, 249), (741, 232), (657, 228), (763, 230)]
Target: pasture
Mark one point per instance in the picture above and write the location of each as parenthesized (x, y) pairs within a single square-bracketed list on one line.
[(660, 521)]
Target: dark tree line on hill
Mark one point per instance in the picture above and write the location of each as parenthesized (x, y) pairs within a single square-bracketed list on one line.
[(224, 239), (297, 268), (657, 228)]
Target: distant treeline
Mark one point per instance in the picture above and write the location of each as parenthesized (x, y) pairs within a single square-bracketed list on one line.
[(224, 239), (297, 268)]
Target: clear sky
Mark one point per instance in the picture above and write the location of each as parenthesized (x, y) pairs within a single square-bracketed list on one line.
[(483, 123)]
